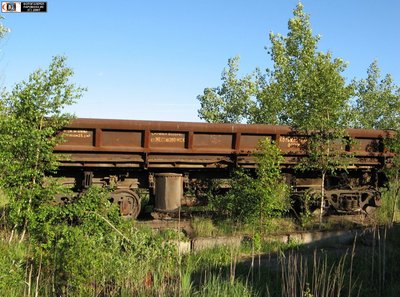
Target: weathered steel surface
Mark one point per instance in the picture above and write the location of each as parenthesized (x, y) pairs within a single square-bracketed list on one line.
[(95, 142)]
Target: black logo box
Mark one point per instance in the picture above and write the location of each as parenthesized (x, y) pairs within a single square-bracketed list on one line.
[(33, 6)]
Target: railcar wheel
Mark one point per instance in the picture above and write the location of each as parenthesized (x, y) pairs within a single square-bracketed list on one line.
[(128, 201)]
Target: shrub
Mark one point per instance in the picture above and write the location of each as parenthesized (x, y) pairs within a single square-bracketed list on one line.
[(255, 200)]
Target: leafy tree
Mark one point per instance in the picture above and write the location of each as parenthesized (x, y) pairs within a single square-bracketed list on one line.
[(304, 89), (377, 103), (311, 83), (80, 247), (316, 95), (273, 96), (31, 115), (268, 106), (229, 103), (3, 31), (251, 99)]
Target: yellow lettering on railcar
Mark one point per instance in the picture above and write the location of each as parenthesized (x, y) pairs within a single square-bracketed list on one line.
[(161, 137), (77, 133), (215, 139), (292, 142)]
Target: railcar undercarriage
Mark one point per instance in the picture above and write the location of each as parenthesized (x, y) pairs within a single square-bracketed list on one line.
[(345, 193)]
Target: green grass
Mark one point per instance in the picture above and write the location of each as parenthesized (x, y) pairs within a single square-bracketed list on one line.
[(154, 268), (387, 213), (12, 263), (208, 227), (204, 227), (4, 200)]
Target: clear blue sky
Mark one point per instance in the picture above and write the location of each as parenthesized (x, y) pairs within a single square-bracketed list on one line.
[(150, 59)]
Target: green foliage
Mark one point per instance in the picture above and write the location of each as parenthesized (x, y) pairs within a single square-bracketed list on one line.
[(214, 257), (316, 94), (3, 200), (377, 103), (389, 211), (31, 115), (3, 29), (230, 102), (306, 216), (85, 247), (256, 199), (304, 88), (325, 152), (269, 184), (93, 243), (310, 83), (82, 247), (390, 208)]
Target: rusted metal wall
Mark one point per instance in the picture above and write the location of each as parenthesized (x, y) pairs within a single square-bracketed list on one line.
[(156, 144)]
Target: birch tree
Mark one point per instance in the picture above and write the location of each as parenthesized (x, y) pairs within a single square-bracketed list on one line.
[(316, 95), (31, 114)]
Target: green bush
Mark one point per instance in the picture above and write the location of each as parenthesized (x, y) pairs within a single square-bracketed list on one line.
[(256, 199), (94, 249)]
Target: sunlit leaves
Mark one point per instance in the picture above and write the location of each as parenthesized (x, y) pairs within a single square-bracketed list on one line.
[(255, 200), (377, 104), (31, 115), (230, 102)]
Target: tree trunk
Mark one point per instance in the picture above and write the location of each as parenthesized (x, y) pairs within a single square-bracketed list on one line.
[(33, 183), (322, 198), (395, 197), (395, 205)]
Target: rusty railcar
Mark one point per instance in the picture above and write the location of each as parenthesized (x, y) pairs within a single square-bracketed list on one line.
[(173, 160)]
